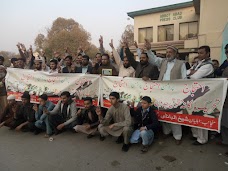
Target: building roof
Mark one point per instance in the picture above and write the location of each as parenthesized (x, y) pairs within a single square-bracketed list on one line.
[(160, 9)]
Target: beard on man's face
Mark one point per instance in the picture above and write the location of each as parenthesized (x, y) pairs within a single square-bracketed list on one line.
[(126, 65), (170, 58), (143, 62)]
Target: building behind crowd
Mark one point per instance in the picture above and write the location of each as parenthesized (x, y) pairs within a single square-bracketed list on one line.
[(185, 25)]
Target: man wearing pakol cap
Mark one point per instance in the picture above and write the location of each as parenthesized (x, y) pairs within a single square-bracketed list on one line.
[(3, 93), (145, 124), (170, 69), (25, 117), (119, 113), (9, 113)]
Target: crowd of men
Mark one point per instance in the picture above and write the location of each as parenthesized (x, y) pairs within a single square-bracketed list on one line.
[(130, 125)]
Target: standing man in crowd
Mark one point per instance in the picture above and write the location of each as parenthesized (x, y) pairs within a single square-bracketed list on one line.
[(69, 68), (219, 71), (143, 69), (224, 122), (170, 69), (202, 69), (85, 68), (3, 93), (125, 68)]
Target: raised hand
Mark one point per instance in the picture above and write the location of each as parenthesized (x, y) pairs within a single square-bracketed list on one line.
[(101, 40), (136, 45), (23, 47), (111, 44), (125, 43), (18, 45), (147, 44)]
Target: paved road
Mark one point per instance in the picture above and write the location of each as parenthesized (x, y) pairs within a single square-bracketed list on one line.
[(68, 151)]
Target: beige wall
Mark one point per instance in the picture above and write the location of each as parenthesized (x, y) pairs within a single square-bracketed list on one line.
[(154, 20), (213, 18)]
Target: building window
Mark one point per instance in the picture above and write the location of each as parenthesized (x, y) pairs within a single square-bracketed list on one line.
[(165, 33), (188, 30), (145, 33)]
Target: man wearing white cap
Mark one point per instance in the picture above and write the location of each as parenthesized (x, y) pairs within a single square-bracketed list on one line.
[(170, 69), (39, 63), (9, 113)]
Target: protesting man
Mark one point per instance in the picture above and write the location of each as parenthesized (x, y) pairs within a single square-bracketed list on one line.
[(145, 123), (170, 69), (53, 66), (143, 69), (202, 69), (125, 68), (42, 122), (121, 117), (64, 114), (3, 93), (9, 113), (85, 68), (88, 117), (25, 118), (69, 68)]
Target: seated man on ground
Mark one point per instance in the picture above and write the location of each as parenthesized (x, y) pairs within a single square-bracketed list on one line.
[(120, 114), (64, 114), (145, 123), (25, 118), (42, 122), (88, 118), (9, 113)]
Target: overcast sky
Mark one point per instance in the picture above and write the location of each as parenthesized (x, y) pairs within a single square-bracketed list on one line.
[(22, 20)]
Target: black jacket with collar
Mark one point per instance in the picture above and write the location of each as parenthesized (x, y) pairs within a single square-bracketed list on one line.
[(89, 70), (150, 121), (85, 118), (147, 70)]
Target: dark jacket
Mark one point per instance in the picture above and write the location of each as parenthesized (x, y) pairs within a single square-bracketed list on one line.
[(89, 70), (147, 70), (94, 121), (219, 71), (65, 70), (26, 113), (150, 120)]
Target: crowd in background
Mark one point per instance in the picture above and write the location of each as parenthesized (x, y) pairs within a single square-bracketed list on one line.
[(130, 125)]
